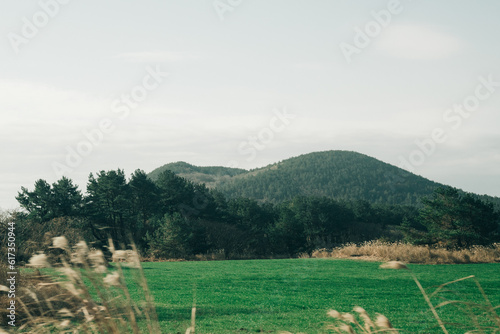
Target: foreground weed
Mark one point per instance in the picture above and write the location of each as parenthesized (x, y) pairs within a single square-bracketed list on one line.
[(359, 322), (483, 315), (81, 294)]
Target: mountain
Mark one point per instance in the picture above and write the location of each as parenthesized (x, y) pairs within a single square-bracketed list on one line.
[(342, 175)]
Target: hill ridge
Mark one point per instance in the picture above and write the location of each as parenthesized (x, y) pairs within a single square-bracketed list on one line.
[(337, 174)]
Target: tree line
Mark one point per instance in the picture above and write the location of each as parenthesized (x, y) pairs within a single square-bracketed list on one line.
[(172, 217)]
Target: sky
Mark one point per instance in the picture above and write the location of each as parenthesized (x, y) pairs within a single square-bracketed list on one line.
[(95, 85)]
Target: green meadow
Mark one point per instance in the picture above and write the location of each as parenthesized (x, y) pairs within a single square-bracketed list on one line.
[(268, 296)]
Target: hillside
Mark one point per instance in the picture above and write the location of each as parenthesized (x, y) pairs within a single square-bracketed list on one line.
[(335, 174), (342, 175), (211, 176)]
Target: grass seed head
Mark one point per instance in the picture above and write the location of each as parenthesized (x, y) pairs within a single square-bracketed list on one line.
[(112, 279), (359, 310), (39, 261), (71, 288), (119, 255), (69, 273), (60, 242), (348, 317), (346, 328), (101, 269), (65, 312), (64, 323), (334, 314), (393, 265), (80, 254), (133, 259), (365, 317), (96, 257), (30, 293), (111, 246), (382, 321), (82, 247)]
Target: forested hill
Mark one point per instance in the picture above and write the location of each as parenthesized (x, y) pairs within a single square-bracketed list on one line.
[(341, 175)]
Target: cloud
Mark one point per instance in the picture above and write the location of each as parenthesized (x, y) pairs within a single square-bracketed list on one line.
[(155, 56), (409, 41)]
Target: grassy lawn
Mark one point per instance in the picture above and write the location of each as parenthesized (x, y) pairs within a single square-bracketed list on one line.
[(294, 295)]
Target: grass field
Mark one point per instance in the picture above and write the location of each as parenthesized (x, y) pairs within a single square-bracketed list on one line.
[(272, 295)]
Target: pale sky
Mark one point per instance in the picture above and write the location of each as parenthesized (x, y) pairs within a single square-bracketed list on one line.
[(374, 77)]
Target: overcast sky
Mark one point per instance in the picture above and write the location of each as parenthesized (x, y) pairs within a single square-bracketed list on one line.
[(84, 86)]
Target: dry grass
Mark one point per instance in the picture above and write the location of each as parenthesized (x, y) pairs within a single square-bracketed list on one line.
[(359, 322), (82, 294), (384, 251)]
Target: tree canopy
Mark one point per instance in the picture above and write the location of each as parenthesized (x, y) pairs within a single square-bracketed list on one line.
[(458, 220), (174, 217)]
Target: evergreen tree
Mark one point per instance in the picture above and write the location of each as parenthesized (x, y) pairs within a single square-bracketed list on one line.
[(47, 202), (108, 205), (39, 202), (68, 200), (455, 220), (145, 196)]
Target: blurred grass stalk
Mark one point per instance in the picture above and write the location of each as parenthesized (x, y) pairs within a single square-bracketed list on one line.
[(348, 323), (82, 294)]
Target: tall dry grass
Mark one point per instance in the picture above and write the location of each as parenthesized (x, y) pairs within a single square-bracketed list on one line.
[(398, 251), (359, 322), (82, 294)]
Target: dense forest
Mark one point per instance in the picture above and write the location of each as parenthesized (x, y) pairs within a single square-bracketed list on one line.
[(169, 216), (339, 175)]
